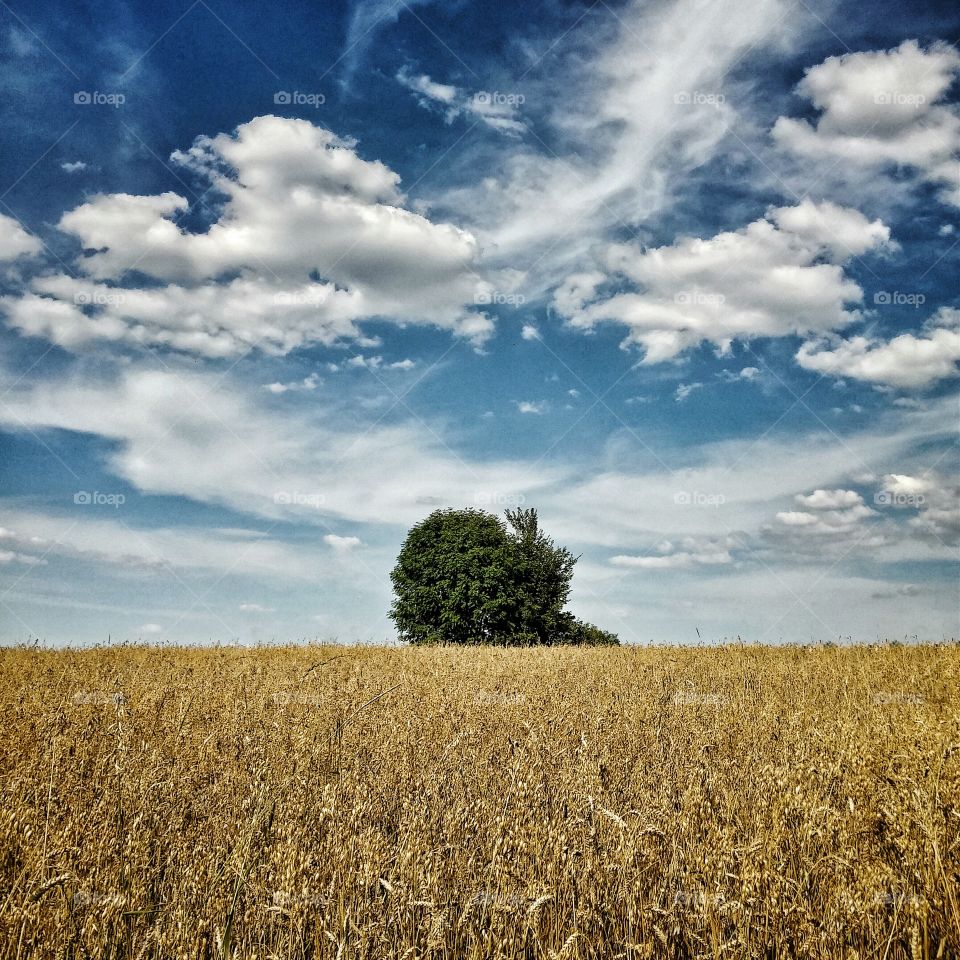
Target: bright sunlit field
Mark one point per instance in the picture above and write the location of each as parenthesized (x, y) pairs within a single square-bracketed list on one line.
[(457, 803)]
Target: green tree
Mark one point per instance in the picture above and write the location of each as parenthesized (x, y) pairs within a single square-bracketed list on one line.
[(465, 577), (541, 575)]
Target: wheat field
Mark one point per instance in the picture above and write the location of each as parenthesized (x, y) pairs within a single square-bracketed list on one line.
[(348, 802)]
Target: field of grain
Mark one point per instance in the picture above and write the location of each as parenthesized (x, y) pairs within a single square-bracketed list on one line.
[(557, 803)]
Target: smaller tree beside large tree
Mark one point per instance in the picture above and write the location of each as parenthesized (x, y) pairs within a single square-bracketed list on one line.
[(466, 577)]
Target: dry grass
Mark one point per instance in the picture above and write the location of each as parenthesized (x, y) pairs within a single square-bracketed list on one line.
[(330, 802)]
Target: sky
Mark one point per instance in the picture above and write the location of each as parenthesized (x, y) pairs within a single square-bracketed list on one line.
[(276, 284)]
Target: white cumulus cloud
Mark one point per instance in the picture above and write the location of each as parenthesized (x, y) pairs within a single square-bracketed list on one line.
[(310, 239), (883, 108), (779, 275), (906, 361)]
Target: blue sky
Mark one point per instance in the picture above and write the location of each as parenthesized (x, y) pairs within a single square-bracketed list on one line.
[(681, 275)]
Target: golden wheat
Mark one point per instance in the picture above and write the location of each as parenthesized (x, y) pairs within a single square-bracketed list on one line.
[(555, 803)]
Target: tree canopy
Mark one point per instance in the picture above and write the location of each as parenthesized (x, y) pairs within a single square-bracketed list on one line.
[(467, 577)]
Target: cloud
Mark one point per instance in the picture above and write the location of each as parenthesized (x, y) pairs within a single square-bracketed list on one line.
[(342, 544), (495, 109), (254, 608), (894, 593), (536, 407), (15, 241), (134, 551), (203, 436), (151, 628), (883, 109), (907, 361), (530, 332), (932, 498), (685, 389), (747, 373), (74, 166), (364, 363), (829, 499), (308, 383), (777, 276), (628, 127), (12, 546), (310, 239), (691, 552), (835, 514), (825, 521), (928, 502), (736, 486), (367, 19)]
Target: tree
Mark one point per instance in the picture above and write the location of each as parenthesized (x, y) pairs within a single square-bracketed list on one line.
[(465, 577), (541, 579)]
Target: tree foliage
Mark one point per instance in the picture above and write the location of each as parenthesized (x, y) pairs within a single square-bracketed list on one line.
[(466, 577)]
